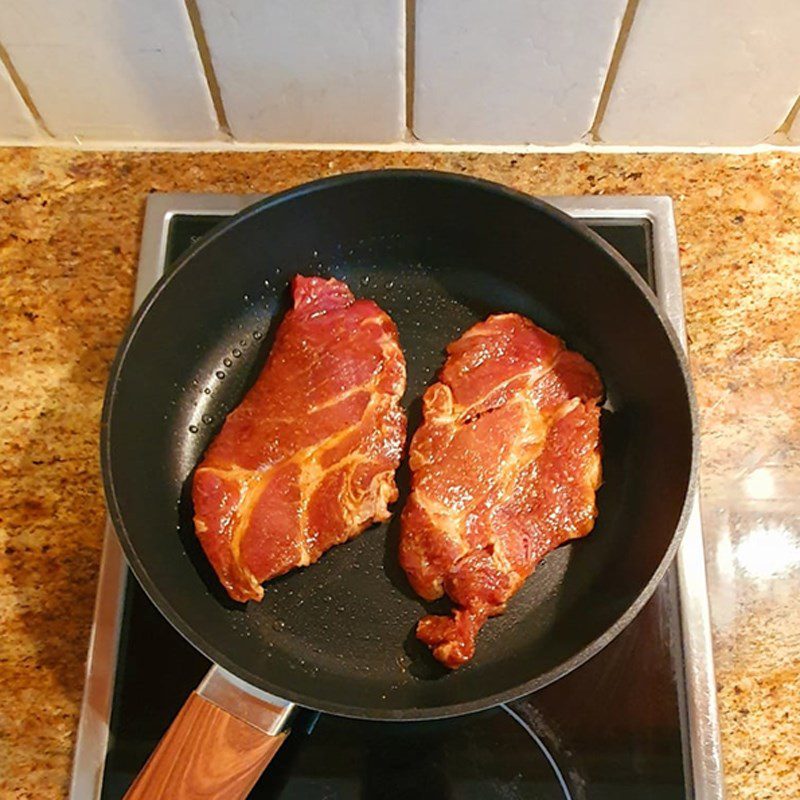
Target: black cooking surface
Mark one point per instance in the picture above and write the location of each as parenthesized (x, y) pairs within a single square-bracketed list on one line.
[(611, 730)]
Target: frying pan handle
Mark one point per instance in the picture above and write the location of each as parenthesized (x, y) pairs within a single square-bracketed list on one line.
[(218, 745)]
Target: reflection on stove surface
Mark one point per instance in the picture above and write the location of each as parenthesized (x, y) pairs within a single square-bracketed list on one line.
[(494, 754)]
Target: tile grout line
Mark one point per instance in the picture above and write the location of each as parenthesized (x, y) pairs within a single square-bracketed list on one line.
[(593, 134), (410, 66), (23, 92), (208, 69), (785, 126)]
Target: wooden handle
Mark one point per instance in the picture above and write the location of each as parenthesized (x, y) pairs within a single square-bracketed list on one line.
[(207, 754)]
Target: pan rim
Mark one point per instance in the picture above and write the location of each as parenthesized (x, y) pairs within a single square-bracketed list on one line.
[(198, 640)]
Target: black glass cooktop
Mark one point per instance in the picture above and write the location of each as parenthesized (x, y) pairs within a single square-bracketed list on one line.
[(611, 730)]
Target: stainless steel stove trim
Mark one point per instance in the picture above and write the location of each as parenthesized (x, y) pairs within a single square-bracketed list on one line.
[(701, 692), (91, 741), (704, 745)]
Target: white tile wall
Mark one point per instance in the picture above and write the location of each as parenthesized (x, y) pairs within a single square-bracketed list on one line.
[(513, 71), (110, 69), (705, 72), (309, 70), (16, 122)]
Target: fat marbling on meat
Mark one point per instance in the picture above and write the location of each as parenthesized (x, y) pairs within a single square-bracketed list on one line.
[(504, 469), (307, 460)]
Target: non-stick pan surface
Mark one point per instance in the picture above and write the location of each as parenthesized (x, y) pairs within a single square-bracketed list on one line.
[(438, 252)]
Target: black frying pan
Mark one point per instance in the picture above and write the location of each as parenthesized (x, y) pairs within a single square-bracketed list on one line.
[(438, 252)]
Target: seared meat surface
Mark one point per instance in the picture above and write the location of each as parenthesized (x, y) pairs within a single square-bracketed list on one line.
[(504, 469), (307, 460)]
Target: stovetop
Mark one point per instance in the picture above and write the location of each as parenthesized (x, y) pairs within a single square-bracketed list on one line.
[(638, 720)]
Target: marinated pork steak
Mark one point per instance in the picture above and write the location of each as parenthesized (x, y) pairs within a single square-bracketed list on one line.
[(307, 460), (504, 469)]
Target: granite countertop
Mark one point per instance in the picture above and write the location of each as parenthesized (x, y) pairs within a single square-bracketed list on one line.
[(70, 224)]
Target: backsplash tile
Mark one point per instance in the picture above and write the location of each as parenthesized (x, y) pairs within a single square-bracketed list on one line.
[(690, 73), (16, 122), (311, 71), (516, 71), (702, 72), (125, 70)]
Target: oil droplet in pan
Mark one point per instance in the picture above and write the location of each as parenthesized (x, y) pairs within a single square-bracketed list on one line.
[(227, 362), (193, 429), (207, 419), (220, 374), (257, 334)]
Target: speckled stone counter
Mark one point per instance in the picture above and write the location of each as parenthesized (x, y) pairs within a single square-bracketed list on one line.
[(69, 232)]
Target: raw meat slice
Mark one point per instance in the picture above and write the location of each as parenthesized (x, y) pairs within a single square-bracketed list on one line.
[(504, 469), (307, 460)]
